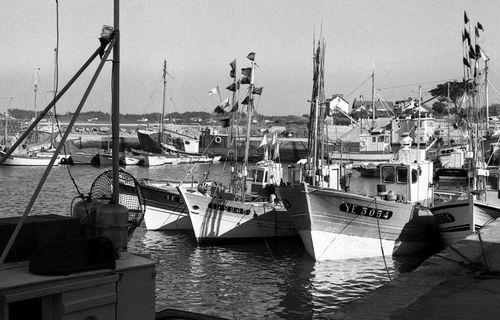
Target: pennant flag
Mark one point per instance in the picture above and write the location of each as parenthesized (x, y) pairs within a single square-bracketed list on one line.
[(251, 56), (257, 90), (213, 91), (225, 122), (235, 107), (463, 36), (483, 55), (246, 72), (233, 86), (245, 80), (224, 103), (466, 63), (480, 26), (466, 34), (466, 19), (247, 100), (219, 110), (477, 32), (472, 54), (232, 73), (263, 142), (233, 64)]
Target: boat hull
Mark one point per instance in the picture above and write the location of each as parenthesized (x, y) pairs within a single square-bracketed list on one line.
[(159, 160), (459, 219), (165, 209), (28, 161), (221, 219), (334, 224), (357, 158)]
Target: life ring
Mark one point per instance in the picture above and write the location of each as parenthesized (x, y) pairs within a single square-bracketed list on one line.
[(2, 148), (362, 144), (218, 139)]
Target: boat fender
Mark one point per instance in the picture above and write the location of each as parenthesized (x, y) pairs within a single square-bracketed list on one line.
[(362, 144), (218, 139)]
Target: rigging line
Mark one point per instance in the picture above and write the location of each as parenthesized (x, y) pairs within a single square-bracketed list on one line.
[(415, 84), (342, 230), (380, 240), (56, 87), (153, 94), (369, 78), (282, 274)]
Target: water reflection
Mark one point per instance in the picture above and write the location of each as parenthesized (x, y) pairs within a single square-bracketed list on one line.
[(257, 279), (263, 278)]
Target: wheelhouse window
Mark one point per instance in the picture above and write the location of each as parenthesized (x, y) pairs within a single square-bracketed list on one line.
[(381, 139), (388, 174), (374, 139), (402, 174), (259, 175)]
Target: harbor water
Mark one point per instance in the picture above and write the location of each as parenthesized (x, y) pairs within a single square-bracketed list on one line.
[(262, 278)]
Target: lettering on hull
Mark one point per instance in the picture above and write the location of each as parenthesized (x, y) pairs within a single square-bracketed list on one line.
[(365, 211), (222, 207)]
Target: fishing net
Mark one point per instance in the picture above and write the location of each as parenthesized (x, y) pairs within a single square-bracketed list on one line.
[(131, 195)]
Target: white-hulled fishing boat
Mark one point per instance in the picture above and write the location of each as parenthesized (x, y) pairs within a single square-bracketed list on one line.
[(337, 224), (219, 213)]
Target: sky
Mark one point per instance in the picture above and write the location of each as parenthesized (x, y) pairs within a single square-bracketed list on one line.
[(406, 43)]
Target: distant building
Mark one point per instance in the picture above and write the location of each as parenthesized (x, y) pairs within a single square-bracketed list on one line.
[(337, 102)]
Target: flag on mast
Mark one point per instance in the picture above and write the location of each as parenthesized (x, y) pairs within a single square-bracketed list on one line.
[(213, 91), (264, 141)]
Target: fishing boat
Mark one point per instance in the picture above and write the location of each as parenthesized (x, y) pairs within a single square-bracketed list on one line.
[(153, 159), (162, 145), (246, 208), (64, 272), (85, 156), (469, 213), (28, 159), (334, 223), (165, 209)]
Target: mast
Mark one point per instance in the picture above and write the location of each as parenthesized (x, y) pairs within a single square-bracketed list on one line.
[(486, 93), (418, 121), (35, 89), (249, 123), (373, 95), (115, 103), (162, 117)]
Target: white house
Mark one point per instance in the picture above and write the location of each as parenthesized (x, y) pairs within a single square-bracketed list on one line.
[(337, 102)]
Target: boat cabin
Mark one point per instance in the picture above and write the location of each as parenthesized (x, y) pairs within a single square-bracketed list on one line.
[(262, 178), (407, 179), (376, 141), (327, 176)]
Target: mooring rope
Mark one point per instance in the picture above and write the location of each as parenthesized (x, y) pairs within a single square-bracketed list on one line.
[(380, 240)]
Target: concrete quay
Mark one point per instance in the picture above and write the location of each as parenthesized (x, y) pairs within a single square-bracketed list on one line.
[(449, 285)]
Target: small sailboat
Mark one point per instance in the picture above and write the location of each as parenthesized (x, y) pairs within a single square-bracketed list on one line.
[(246, 209)]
